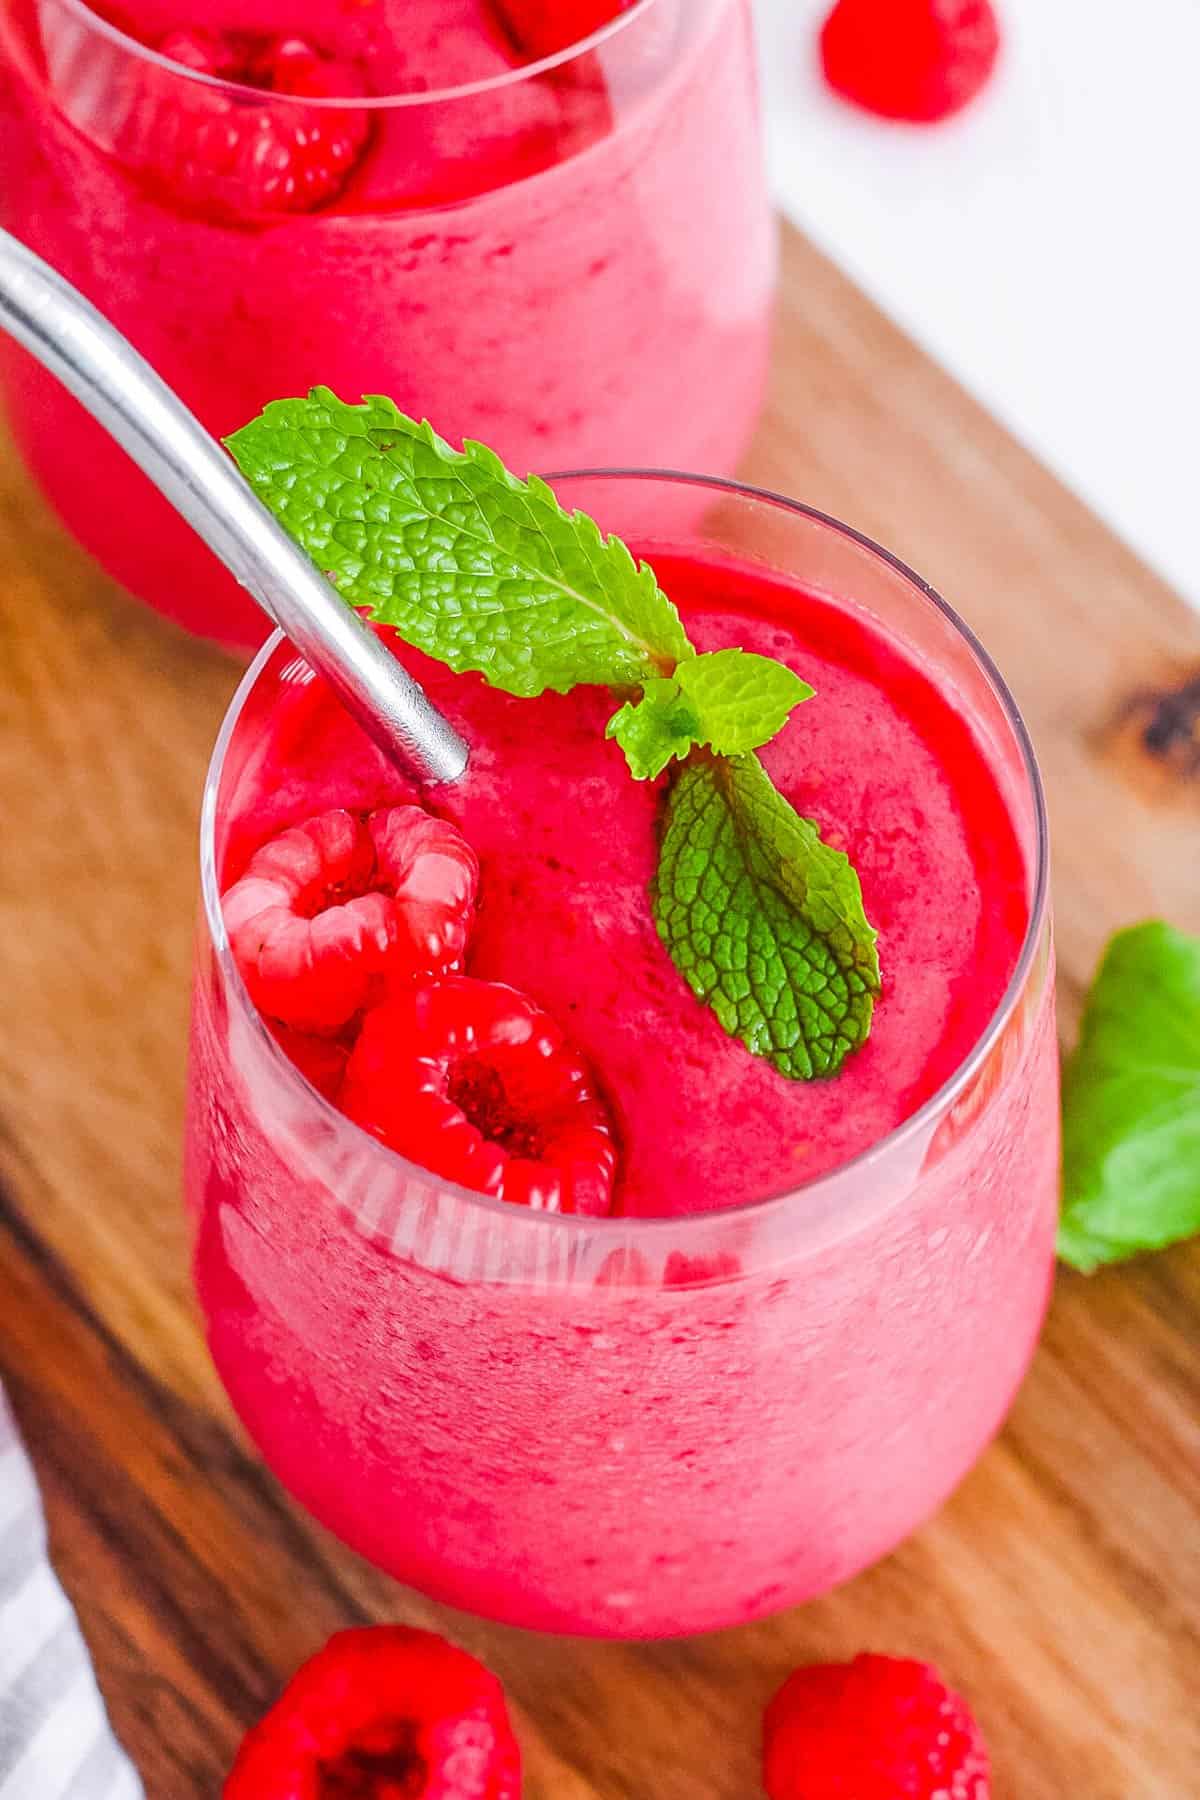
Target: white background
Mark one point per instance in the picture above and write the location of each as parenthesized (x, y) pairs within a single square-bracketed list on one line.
[(1044, 246)]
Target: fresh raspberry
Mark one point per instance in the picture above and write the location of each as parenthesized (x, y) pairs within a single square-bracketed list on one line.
[(230, 154), (384, 1713), (910, 59), (321, 1060), (329, 912), (873, 1729), (474, 1082), (544, 27), (433, 874)]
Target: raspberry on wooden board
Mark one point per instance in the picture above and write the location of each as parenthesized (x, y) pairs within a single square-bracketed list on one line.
[(383, 1713), (877, 1728)]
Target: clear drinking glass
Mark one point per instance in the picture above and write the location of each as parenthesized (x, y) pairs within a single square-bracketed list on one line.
[(634, 1426), (572, 259)]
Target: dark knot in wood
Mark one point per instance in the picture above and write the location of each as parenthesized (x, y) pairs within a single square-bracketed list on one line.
[(1168, 721)]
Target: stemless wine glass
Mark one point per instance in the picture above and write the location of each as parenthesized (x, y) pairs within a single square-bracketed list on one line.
[(572, 258), (634, 1426)]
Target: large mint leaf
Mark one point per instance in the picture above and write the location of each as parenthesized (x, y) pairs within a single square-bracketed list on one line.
[(471, 565), (731, 700), (1131, 1102), (764, 920)]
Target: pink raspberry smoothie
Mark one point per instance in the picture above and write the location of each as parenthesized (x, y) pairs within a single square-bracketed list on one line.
[(717, 1402), (575, 264)]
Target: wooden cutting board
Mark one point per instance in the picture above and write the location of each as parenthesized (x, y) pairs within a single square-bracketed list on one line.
[(1061, 1585)]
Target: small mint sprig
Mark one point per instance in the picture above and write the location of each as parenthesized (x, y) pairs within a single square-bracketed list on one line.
[(486, 572), (731, 700)]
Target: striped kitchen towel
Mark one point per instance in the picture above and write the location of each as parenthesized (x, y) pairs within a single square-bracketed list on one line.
[(55, 1739)]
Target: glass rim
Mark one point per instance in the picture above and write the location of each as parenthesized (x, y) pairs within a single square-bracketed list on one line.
[(697, 1224), (365, 102)]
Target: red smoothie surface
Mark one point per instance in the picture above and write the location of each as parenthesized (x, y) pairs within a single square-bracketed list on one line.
[(568, 845)]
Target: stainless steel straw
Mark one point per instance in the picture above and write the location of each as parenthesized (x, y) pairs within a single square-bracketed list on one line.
[(119, 388)]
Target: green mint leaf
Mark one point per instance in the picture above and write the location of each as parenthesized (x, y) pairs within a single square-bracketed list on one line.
[(731, 700), (662, 724), (741, 699), (474, 567), (763, 919), (1131, 1102)]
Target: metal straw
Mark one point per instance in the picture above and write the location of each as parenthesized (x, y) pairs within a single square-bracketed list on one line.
[(119, 388)]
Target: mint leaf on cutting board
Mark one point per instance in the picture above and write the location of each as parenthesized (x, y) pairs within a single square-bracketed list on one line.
[(474, 567), (731, 700), (1131, 1102), (764, 920)]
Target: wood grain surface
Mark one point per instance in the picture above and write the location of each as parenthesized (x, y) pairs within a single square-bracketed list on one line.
[(1061, 1585)]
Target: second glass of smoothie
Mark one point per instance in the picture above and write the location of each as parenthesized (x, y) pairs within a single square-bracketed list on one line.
[(814, 1301), (562, 247)]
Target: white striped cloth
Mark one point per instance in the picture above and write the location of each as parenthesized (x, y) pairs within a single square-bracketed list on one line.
[(55, 1739)]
